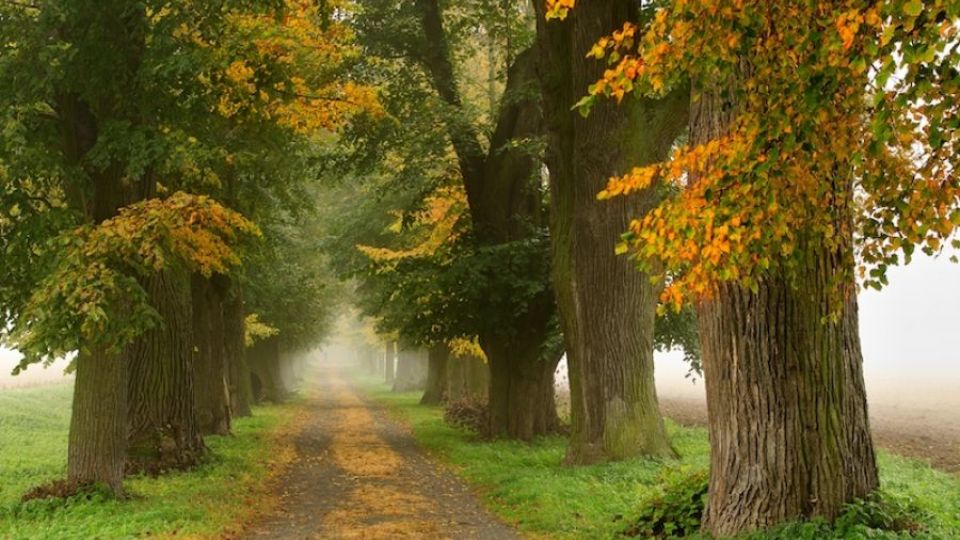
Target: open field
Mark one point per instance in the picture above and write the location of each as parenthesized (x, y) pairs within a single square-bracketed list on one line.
[(204, 503)]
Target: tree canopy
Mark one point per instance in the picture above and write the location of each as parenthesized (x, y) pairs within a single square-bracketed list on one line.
[(845, 127)]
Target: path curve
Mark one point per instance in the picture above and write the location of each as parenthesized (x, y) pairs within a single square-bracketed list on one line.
[(359, 474)]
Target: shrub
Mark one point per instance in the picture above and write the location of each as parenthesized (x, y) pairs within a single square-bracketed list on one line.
[(467, 413), (879, 516), (676, 508)]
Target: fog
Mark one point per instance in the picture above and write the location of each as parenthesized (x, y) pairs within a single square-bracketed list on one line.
[(910, 332)]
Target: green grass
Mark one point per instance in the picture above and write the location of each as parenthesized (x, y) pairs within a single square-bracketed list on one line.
[(527, 486), (203, 502)]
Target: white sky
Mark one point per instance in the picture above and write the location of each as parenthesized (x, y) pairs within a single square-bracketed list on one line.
[(910, 334)]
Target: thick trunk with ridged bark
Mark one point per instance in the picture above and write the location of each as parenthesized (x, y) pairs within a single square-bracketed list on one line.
[(522, 398), (163, 432), (98, 425), (789, 432), (210, 367), (607, 307), (238, 373), (437, 359)]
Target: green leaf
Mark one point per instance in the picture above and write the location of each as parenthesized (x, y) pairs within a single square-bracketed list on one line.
[(913, 8), (585, 105)]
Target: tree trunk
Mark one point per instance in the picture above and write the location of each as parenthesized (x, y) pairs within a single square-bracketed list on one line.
[(390, 359), (477, 378), (98, 425), (607, 308), (521, 399), (97, 441), (411, 371), (240, 391), (789, 433), (381, 361), (504, 194), (468, 377), (210, 365), (788, 412), (163, 432), (263, 360), (436, 391), (371, 359)]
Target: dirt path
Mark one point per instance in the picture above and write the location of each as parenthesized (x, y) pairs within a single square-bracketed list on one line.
[(359, 474)]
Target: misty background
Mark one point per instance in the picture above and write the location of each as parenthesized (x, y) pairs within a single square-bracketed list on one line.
[(910, 333)]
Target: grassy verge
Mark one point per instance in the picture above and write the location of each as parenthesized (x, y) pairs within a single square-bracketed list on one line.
[(527, 486), (206, 502)]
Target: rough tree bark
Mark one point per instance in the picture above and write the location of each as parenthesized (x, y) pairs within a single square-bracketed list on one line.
[(789, 432), (240, 390), (97, 442), (506, 206), (436, 391), (390, 360), (163, 432), (411, 370), (607, 307), (468, 377), (521, 400), (211, 391), (98, 428)]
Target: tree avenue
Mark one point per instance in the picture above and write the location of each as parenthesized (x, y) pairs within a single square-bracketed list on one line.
[(196, 196), (135, 102)]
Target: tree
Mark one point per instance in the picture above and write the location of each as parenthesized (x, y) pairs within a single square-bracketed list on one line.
[(504, 195), (389, 368), (411, 369), (437, 360), (607, 309), (96, 275), (210, 362), (239, 383), (808, 164)]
